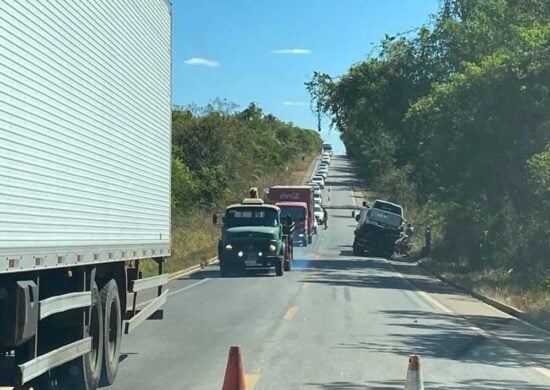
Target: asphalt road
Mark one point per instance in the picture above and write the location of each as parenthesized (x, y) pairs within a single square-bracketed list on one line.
[(335, 322)]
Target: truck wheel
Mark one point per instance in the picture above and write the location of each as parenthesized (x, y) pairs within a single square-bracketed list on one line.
[(224, 270), (112, 331), (279, 269), (287, 266), (356, 249), (84, 373), (240, 269)]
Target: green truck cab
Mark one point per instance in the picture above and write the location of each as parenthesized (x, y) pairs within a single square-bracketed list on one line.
[(254, 235)]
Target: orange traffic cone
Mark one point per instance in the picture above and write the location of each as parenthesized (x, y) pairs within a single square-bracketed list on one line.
[(414, 374), (234, 374)]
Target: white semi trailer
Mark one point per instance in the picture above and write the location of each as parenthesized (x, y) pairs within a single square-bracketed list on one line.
[(85, 146)]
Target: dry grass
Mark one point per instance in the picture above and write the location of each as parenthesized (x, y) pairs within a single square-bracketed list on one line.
[(369, 196), (191, 244), (296, 175), (195, 240)]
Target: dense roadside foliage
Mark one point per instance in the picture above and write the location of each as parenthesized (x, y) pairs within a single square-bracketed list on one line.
[(455, 122), (218, 153)]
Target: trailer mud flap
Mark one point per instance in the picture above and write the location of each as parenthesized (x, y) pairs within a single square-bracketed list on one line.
[(23, 310)]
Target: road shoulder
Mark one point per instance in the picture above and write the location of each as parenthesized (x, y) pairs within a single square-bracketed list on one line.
[(490, 322)]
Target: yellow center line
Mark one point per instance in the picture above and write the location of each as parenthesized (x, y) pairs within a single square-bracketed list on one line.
[(250, 381), (290, 313), (543, 371)]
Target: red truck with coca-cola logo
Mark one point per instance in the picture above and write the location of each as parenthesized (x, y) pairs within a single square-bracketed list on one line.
[(296, 202)]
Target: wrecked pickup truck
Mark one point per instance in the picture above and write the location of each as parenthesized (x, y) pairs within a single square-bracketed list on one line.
[(378, 229)]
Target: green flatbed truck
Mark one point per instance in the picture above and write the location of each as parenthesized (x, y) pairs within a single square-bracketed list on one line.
[(254, 236)]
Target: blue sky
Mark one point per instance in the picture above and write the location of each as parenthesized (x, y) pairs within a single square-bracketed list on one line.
[(245, 50)]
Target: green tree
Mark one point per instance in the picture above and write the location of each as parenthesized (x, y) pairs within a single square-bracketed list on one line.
[(219, 152), (459, 115)]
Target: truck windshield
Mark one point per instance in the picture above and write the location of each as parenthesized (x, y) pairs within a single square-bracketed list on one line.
[(387, 207), (250, 216), (297, 213)]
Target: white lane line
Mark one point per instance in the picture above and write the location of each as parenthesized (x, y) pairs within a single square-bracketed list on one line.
[(547, 333), (488, 335), (188, 287), (439, 305), (141, 304), (193, 269)]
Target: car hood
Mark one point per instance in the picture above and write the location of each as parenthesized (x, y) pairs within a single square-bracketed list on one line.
[(246, 232)]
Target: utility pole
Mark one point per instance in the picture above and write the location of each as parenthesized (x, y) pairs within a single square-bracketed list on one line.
[(318, 116)]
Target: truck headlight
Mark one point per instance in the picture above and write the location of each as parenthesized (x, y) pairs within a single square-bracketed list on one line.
[(272, 247), (300, 235), (228, 247)]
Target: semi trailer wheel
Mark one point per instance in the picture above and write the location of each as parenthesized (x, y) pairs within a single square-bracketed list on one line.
[(112, 332), (84, 372)]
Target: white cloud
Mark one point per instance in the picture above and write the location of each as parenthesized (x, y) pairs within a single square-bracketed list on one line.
[(292, 51), (202, 61), (287, 103)]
